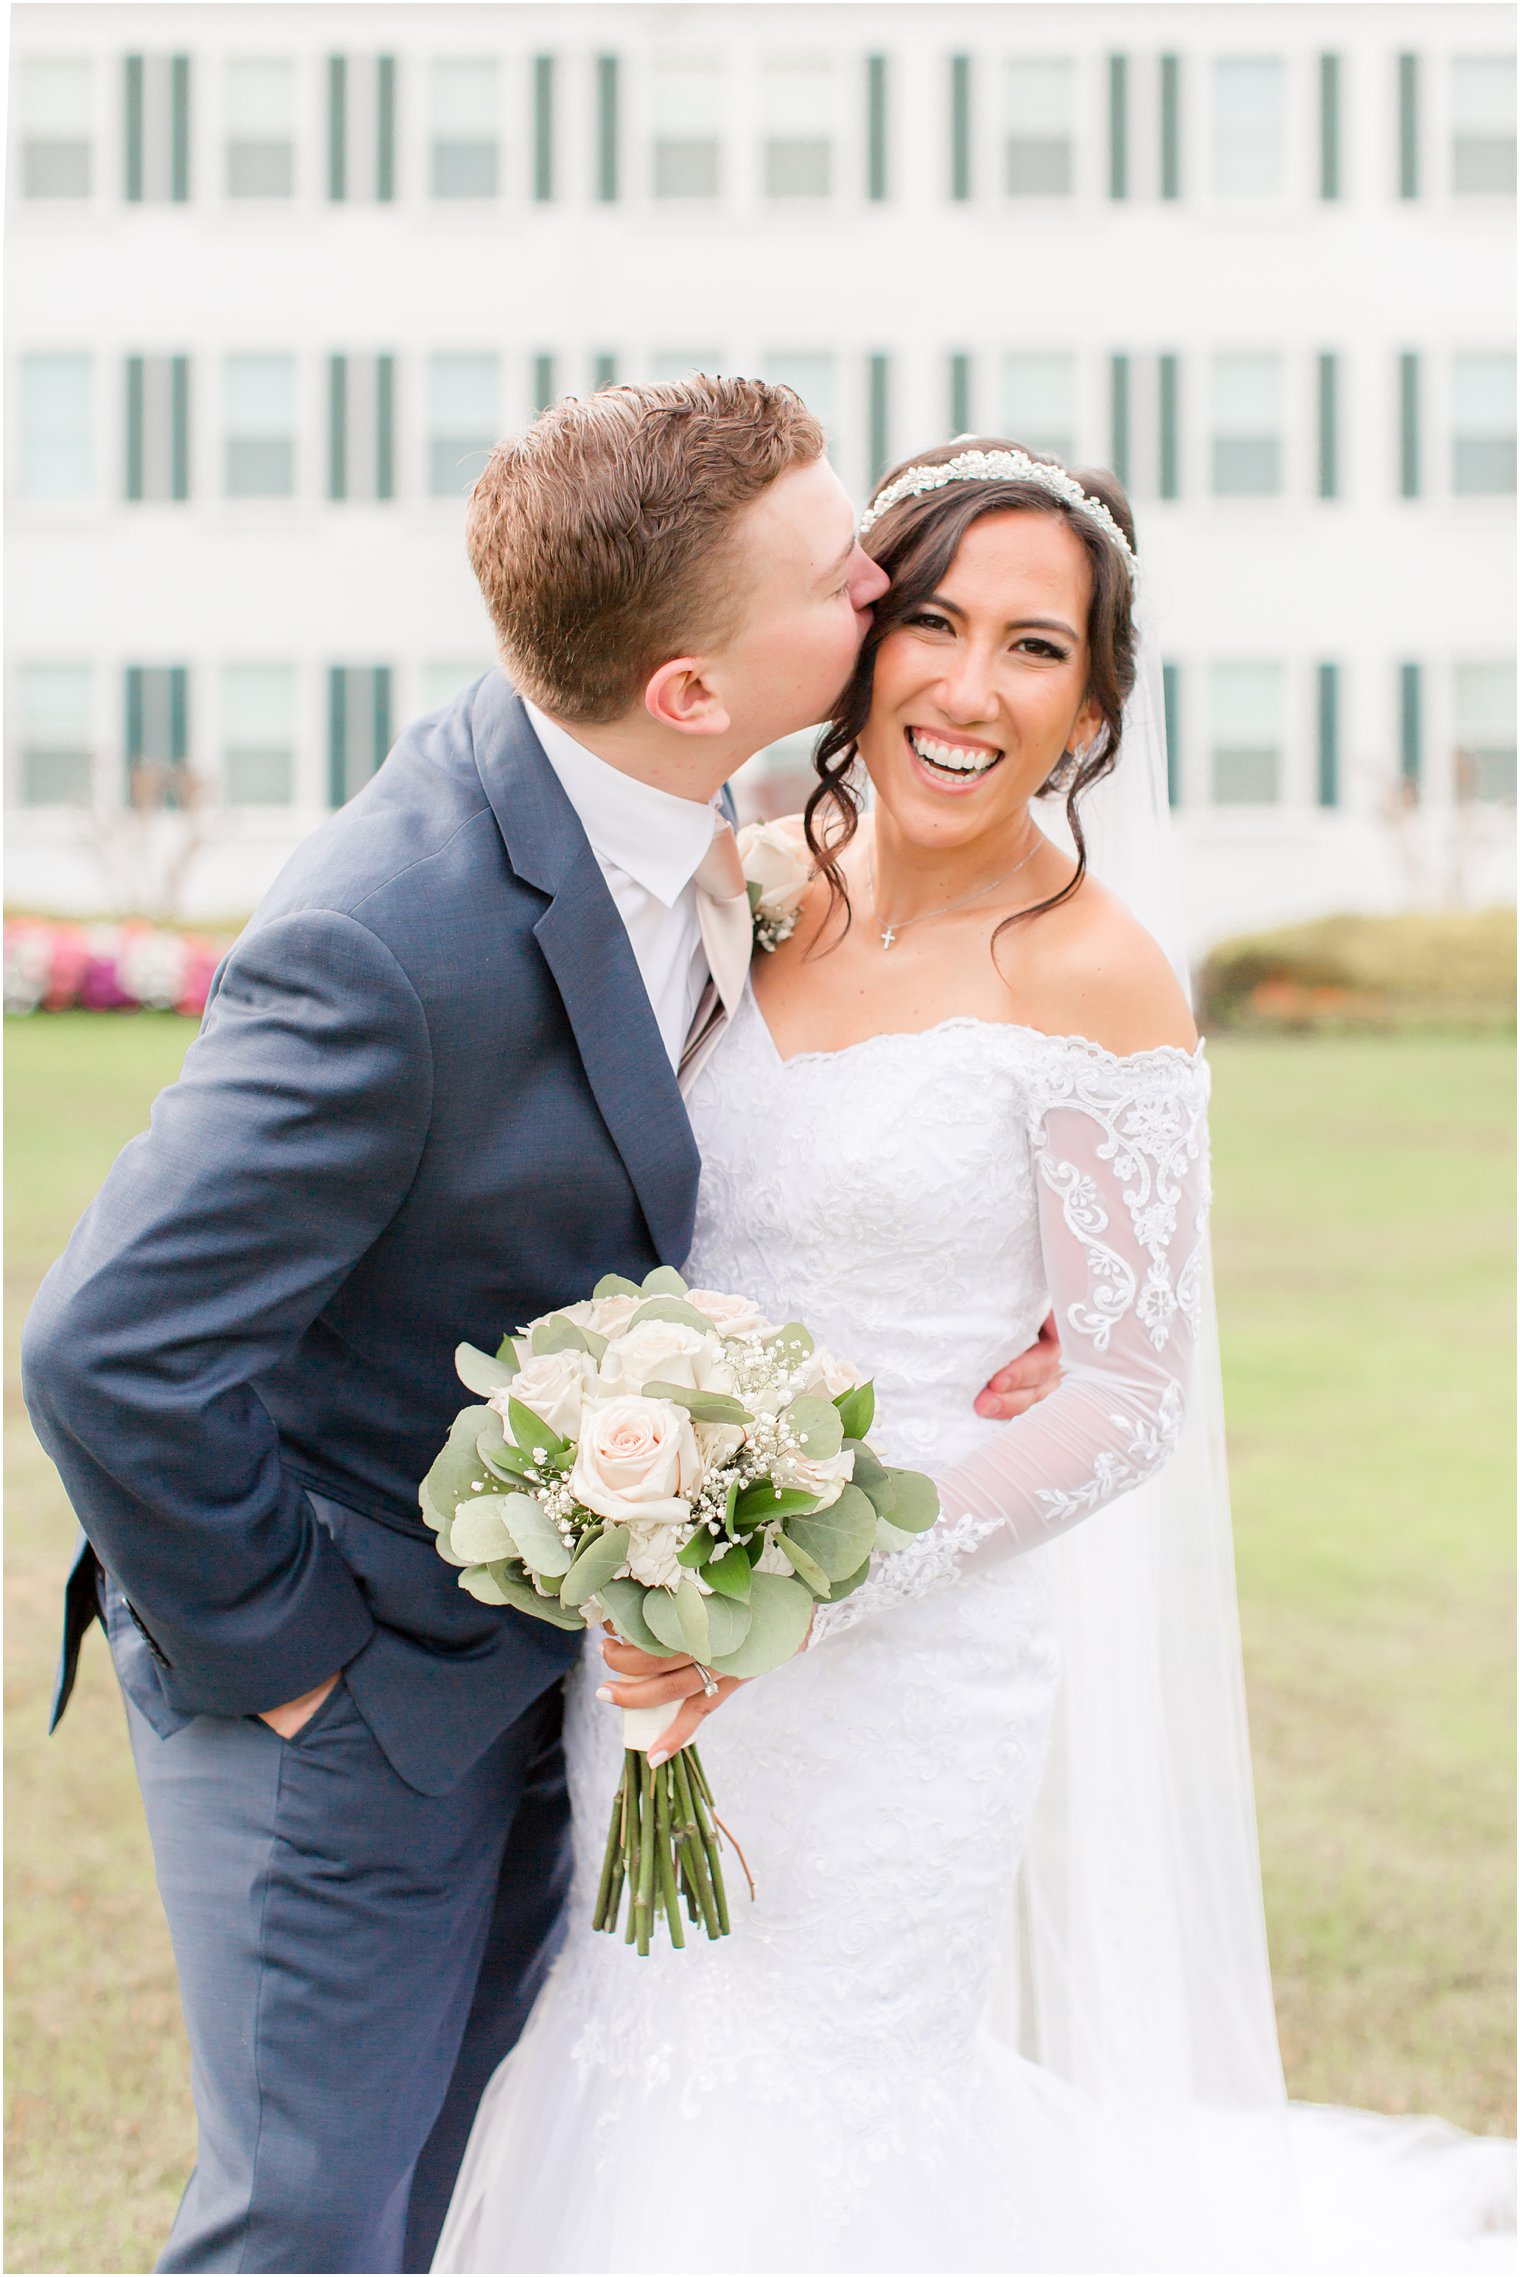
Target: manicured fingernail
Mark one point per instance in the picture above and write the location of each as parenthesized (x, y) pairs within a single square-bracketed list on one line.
[(655, 1760), (604, 1692)]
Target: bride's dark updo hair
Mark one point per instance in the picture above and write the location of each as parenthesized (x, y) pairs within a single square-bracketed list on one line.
[(915, 542)]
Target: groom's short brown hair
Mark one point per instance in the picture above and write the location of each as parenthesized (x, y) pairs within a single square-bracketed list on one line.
[(602, 538)]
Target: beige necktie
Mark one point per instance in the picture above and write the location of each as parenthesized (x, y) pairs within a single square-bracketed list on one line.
[(727, 936)]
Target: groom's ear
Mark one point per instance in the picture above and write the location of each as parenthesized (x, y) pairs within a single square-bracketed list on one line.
[(680, 696)]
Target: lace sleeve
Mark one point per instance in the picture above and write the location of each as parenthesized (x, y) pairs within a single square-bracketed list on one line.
[(1121, 1154)]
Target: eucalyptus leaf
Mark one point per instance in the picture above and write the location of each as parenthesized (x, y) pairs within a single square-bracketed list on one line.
[(623, 1603), (780, 1609), (478, 1580), (432, 1517), (695, 1553), (765, 1502), (857, 1410), (595, 1564), (479, 1373), (501, 1458), (506, 1353), (871, 1476), (727, 1622), (729, 1507), (753, 891), (672, 1309), (531, 1432), (805, 1566), (556, 1334), (793, 1342), (703, 1407), (730, 1575), (458, 1465), (518, 1591), (480, 1531), (852, 1582), (691, 1612), (664, 1281), (838, 1536), (616, 1285), (536, 1535), (890, 1537), (915, 1502), (595, 1345), (817, 1425)]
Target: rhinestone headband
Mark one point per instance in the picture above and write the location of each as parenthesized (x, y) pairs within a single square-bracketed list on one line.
[(999, 466)]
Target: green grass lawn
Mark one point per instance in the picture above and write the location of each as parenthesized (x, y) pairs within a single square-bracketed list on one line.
[(1363, 1236)]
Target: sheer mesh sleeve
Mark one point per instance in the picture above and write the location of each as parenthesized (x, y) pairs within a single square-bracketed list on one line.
[(1120, 1150)]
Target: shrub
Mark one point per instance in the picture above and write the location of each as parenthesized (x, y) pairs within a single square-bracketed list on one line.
[(1427, 969)]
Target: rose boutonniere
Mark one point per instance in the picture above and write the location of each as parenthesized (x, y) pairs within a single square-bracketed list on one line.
[(777, 870)]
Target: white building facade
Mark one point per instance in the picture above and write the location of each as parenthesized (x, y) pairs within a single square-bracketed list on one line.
[(278, 276)]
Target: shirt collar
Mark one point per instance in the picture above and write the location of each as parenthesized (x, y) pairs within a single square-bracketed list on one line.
[(657, 838)]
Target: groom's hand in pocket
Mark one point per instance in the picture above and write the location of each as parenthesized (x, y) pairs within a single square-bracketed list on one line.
[(645, 1680), (290, 1719), (1026, 1380)]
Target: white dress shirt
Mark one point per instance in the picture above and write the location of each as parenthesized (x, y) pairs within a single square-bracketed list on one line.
[(649, 845)]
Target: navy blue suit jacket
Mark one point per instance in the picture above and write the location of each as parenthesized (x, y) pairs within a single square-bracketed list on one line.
[(428, 1101)]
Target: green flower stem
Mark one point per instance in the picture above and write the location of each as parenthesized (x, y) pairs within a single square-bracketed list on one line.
[(643, 1902), (701, 1797), (609, 1862), (695, 1849), (672, 1903), (631, 1772)]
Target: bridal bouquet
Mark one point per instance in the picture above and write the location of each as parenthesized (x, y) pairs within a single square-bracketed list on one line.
[(664, 1459)]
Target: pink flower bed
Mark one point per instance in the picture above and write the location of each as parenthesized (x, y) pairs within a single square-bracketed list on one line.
[(52, 965)]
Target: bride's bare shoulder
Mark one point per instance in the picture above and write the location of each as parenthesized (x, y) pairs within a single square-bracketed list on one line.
[(1091, 969)]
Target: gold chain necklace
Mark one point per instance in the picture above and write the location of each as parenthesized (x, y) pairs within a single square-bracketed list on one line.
[(890, 931)]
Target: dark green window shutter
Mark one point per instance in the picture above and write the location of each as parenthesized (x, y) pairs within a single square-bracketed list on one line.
[(1409, 426), (381, 714), (1171, 126), (179, 115), (337, 128), (337, 426), (1168, 441), (1329, 126), (876, 128), (1411, 732), (545, 383), (133, 741), (879, 416), (1329, 426), (179, 431), (543, 129), (960, 127), (134, 426), (1409, 126), (1118, 421), (385, 130), (604, 371), (385, 426), (1171, 707), (1328, 713), (132, 123), (960, 394), (1118, 126), (607, 152), (179, 714), (337, 736)]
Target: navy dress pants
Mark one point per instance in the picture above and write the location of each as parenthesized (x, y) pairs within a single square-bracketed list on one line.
[(354, 1960)]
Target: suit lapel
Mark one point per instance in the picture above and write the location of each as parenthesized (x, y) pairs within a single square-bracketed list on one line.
[(587, 949)]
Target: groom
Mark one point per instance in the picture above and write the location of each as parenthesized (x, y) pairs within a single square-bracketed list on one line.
[(436, 1092)]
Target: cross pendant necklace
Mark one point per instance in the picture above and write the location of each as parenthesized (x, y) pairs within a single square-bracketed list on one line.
[(890, 931)]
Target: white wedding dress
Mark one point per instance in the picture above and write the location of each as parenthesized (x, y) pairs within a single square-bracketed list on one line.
[(823, 2090)]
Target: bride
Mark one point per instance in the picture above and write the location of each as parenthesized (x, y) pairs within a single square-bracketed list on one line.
[(1001, 2000)]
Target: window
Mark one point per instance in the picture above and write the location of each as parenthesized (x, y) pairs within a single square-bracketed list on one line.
[(1483, 126), (261, 115), (358, 726), (158, 428), (876, 128), (54, 113), (361, 427), (798, 108), (158, 732), (258, 734), (1483, 715), (464, 397), (445, 678), (463, 103), (55, 744), (157, 129), (1245, 723), (680, 363), (361, 129), (260, 426), (543, 129), (609, 140), (57, 427), (960, 128), (1409, 125), (1483, 426), (1039, 403), (1246, 439), (810, 374), (1039, 110), (1250, 126), (686, 94)]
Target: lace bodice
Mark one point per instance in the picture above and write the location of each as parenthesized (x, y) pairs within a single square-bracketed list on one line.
[(921, 1201)]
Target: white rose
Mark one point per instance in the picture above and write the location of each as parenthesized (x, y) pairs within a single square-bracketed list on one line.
[(637, 1462), (604, 1316), (553, 1387), (730, 1316), (821, 1372), (653, 1554), (777, 860), (664, 1352), (827, 1476)]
